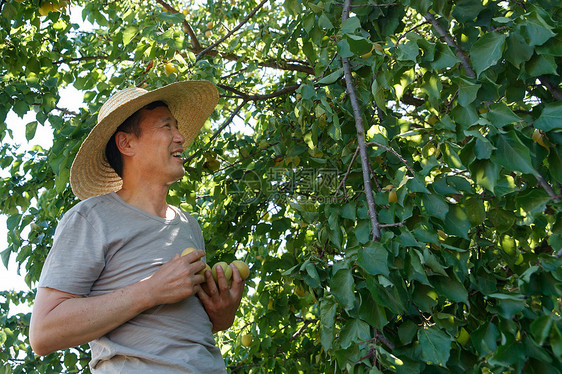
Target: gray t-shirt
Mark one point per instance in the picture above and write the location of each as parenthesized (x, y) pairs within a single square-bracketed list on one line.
[(103, 244)]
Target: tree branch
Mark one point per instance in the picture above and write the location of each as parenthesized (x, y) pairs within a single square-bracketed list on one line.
[(66, 111), (451, 42), (62, 110), (371, 5), (397, 224), (248, 97), (390, 149), (342, 183), (360, 135), (85, 58), (186, 26), (412, 100), (544, 184), (245, 20), (556, 93)]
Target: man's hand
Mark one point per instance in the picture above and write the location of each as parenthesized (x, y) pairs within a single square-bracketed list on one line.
[(177, 279), (219, 301)]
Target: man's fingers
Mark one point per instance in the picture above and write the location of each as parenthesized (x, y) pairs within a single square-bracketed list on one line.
[(235, 274), (221, 279), (210, 286), (196, 267), (193, 256)]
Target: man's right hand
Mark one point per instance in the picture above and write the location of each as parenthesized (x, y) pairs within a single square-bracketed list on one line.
[(177, 279)]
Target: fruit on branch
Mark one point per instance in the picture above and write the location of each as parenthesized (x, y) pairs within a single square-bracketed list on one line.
[(170, 68), (247, 340)]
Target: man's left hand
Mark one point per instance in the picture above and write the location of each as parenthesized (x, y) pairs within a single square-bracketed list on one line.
[(220, 301)]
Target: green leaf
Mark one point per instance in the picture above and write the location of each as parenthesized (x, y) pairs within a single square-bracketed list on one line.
[(327, 317), (342, 285), (425, 297), (487, 51), (435, 346), (363, 231), (324, 22), (444, 57), (484, 338), (408, 51), (475, 210), (332, 77), (311, 277), (518, 50), (435, 206), (483, 148), (540, 328), (456, 222), (551, 117), (555, 163), (451, 288), (13, 221), (508, 305), (500, 115), (501, 219), (556, 341), (129, 34), (359, 45), (5, 256), (552, 47), (541, 65), (467, 10), (372, 313), (348, 211), (30, 129), (353, 332), (407, 331), (535, 30), (430, 260), (374, 259), (416, 270), (533, 199), (350, 25), (512, 154), (467, 91)]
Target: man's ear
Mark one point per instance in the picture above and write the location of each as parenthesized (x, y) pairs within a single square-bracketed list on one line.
[(124, 144)]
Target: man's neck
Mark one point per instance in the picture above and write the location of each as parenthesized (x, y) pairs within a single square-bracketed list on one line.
[(151, 199)]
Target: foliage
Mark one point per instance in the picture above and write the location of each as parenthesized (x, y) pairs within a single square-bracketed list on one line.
[(402, 215)]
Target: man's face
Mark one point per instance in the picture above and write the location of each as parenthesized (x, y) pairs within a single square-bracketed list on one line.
[(158, 151)]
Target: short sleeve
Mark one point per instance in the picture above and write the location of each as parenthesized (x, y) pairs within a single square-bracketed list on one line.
[(77, 257)]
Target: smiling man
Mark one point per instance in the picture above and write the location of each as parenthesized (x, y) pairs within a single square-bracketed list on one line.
[(114, 277)]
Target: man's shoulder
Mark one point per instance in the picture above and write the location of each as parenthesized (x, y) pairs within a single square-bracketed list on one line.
[(93, 205)]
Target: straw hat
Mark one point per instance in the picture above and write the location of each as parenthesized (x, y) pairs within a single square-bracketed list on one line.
[(190, 102)]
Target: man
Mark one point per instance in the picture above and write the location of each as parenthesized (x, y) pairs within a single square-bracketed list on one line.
[(114, 276)]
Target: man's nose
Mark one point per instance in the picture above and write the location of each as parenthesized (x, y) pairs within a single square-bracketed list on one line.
[(178, 137)]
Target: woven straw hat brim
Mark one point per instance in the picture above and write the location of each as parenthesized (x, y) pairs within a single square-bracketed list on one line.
[(190, 102)]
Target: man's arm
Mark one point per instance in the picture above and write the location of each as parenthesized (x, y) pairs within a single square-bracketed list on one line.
[(221, 302), (61, 320)]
